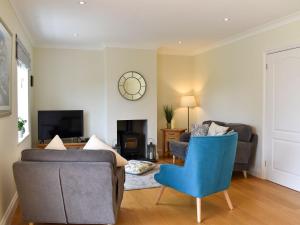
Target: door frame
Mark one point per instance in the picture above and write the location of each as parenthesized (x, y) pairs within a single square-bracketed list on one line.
[(264, 115)]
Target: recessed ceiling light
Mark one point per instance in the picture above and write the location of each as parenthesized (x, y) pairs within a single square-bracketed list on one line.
[(180, 42), (226, 19), (82, 2), (75, 35)]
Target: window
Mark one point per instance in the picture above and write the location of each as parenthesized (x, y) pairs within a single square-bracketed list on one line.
[(23, 68), (23, 103)]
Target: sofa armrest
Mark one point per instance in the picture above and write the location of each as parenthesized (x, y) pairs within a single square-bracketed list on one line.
[(246, 150), (178, 148), (185, 137)]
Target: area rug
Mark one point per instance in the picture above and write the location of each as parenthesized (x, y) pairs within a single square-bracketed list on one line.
[(144, 181)]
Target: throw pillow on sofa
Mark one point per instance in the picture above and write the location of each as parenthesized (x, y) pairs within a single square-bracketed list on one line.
[(199, 130), (95, 143), (56, 144), (216, 130)]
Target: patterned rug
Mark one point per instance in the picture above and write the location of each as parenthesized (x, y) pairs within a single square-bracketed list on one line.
[(144, 181)]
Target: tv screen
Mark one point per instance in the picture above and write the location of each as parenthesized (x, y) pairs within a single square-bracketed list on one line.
[(65, 123)]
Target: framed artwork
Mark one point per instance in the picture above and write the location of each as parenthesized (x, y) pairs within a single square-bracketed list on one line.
[(6, 44)]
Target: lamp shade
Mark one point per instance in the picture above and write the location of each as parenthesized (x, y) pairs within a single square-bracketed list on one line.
[(188, 101)]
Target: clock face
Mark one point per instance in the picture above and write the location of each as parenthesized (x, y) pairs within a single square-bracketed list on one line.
[(132, 85)]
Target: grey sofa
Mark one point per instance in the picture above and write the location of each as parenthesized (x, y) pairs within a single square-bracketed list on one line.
[(69, 187), (247, 143)]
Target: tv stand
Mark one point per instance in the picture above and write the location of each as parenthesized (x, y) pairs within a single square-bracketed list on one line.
[(69, 145)]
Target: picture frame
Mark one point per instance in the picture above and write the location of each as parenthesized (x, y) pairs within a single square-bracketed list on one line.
[(6, 55)]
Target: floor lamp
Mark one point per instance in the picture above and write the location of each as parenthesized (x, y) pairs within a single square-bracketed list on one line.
[(188, 101)]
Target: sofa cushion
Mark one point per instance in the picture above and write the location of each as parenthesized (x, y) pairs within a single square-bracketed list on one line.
[(56, 143), (37, 155), (216, 130), (216, 122), (199, 130), (244, 131), (95, 143)]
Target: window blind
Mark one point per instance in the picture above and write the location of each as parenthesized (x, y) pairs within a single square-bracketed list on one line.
[(22, 54)]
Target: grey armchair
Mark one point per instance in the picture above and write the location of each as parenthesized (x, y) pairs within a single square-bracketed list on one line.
[(246, 147), (69, 187)]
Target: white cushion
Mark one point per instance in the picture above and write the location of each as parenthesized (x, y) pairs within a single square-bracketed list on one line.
[(56, 143), (216, 130), (95, 143)]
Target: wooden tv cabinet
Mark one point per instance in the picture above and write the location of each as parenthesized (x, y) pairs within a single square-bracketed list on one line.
[(78, 145)]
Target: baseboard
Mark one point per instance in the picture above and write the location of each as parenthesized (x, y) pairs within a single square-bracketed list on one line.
[(6, 219), (254, 173)]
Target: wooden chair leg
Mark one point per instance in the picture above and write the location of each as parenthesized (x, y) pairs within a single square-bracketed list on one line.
[(160, 194), (198, 210), (245, 173), (174, 159), (228, 200)]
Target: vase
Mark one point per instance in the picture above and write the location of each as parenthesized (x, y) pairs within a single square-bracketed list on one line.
[(20, 134), (169, 126)]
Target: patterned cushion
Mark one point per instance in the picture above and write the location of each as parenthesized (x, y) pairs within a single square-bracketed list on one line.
[(137, 167), (199, 130)]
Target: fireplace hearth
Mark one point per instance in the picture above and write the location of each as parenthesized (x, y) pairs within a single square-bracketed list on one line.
[(132, 135)]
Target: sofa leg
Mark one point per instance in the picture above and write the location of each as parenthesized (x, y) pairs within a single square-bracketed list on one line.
[(228, 200), (198, 210), (160, 194), (174, 159), (245, 173)]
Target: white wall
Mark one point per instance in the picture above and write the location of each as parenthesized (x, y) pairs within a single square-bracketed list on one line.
[(175, 79), (71, 79), (232, 79), (9, 148), (227, 81), (88, 80), (118, 61)]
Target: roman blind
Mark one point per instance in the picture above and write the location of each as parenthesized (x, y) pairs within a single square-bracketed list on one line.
[(22, 55)]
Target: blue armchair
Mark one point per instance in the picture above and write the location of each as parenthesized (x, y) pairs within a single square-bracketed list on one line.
[(207, 169)]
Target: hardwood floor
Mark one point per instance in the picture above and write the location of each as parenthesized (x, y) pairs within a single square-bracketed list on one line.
[(255, 202)]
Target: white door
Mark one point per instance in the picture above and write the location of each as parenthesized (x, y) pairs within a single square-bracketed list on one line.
[(282, 118)]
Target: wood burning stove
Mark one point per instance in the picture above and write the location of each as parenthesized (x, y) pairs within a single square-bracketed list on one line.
[(132, 138)]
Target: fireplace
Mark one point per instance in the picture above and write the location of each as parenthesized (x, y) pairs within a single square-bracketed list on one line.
[(131, 137)]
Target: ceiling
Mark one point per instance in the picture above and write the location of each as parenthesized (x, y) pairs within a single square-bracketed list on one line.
[(146, 24)]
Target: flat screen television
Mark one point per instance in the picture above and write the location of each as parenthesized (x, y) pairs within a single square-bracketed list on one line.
[(65, 123)]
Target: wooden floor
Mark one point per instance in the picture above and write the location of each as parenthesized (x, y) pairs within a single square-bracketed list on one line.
[(256, 202)]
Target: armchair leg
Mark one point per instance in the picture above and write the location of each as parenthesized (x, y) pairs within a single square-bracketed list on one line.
[(160, 194), (228, 200), (198, 210), (245, 173), (174, 159)]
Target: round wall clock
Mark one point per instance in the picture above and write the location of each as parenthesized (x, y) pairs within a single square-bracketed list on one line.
[(132, 85)]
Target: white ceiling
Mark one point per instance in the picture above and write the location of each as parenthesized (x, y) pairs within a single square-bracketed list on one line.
[(145, 23)]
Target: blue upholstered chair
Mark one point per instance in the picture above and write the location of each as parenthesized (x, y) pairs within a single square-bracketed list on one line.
[(207, 169)]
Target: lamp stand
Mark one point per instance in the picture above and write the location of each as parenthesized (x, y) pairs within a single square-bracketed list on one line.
[(188, 119)]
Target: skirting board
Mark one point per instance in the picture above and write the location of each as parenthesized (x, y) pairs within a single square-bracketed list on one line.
[(6, 219)]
